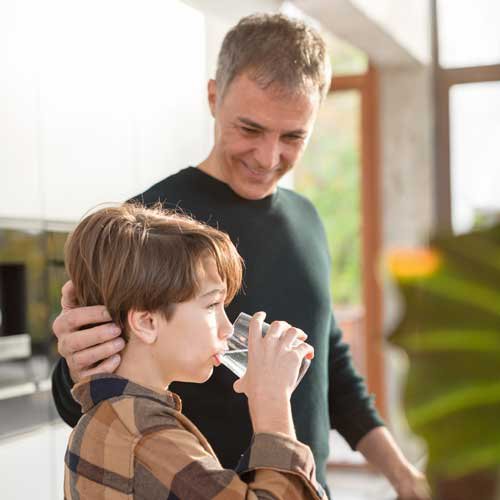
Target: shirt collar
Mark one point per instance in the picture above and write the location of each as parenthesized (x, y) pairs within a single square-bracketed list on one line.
[(91, 391)]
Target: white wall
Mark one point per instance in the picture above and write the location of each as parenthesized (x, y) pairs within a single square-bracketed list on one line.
[(33, 463), (98, 100)]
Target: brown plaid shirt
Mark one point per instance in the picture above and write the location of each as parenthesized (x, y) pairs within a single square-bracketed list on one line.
[(132, 442)]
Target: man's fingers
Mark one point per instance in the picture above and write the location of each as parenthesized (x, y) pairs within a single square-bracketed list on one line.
[(73, 319), (83, 361), (107, 366), (83, 339), (68, 296)]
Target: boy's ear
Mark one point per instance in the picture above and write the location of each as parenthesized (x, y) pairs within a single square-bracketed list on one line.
[(144, 325), (212, 96)]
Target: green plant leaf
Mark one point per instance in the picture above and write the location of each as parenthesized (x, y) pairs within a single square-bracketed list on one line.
[(450, 330)]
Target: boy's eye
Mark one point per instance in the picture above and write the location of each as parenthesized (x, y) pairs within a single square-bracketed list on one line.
[(214, 305)]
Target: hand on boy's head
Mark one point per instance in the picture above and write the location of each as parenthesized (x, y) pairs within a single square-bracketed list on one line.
[(89, 351), (68, 296)]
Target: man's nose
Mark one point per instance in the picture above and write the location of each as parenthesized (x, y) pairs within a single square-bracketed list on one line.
[(268, 153)]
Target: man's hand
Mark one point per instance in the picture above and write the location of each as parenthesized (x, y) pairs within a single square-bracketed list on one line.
[(89, 351), (381, 450), (412, 485)]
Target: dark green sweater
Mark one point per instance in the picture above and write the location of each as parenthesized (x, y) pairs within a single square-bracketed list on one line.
[(283, 243)]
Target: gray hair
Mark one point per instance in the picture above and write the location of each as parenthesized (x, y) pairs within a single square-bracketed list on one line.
[(274, 50)]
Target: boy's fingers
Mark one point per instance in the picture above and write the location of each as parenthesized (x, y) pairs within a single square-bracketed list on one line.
[(237, 386), (293, 337), (305, 350), (255, 327), (277, 328)]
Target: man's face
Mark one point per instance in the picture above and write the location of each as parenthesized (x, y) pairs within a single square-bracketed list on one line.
[(191, 341), (260, 134)]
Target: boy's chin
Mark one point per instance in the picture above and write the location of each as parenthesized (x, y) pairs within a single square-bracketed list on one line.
[(198, 378), (207, 375)]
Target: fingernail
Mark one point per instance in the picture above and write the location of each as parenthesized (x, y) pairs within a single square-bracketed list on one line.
[(118, 343), (261, 315), (114, 330), (106, 315), (115, 359)]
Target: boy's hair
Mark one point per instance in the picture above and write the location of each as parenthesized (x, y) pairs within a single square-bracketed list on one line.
[(147, 259), (274, 49)]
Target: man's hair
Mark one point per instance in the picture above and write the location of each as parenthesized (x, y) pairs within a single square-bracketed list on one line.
[(146, 259), (274, 49)]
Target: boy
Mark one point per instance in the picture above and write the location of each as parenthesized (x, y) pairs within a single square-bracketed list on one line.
[(165, 280)]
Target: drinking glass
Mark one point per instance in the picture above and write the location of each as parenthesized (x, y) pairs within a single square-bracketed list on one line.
[(236, 357)]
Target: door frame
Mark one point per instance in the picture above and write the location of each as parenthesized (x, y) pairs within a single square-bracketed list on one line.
[(367, 85)]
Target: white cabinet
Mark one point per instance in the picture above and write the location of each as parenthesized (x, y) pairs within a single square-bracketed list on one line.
[(99, 100)]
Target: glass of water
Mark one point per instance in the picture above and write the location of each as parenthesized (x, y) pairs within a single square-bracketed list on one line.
[(236, 357)]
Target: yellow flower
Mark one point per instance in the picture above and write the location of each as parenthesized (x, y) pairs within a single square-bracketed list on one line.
[(410, 263)]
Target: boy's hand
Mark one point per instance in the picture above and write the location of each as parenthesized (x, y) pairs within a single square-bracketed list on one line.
[(273, 367), (89, 351)]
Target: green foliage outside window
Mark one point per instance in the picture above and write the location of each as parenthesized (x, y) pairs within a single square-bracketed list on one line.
[(329, 175)]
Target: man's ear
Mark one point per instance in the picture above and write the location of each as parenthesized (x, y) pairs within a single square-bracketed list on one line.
[(212, 95), (144, 325)]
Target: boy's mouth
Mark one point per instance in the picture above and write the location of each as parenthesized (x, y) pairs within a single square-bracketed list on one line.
[(217, 357)]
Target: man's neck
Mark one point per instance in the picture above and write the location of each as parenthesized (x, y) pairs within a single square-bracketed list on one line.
[(210, 167)]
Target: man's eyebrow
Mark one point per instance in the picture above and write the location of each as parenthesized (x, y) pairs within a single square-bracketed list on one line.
[(222, 291), (251, 123)]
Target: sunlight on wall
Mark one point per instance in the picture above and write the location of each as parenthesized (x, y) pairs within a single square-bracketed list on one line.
[(101, 99)]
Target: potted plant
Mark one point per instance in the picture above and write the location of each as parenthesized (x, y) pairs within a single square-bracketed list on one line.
[(450, 329)]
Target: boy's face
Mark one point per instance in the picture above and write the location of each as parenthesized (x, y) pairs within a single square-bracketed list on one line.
[(189, 342)]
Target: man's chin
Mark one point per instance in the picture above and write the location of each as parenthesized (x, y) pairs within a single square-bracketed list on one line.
[(252, 191)]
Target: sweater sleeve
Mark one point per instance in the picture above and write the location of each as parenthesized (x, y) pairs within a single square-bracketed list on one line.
[(351, 408), (69, 410)]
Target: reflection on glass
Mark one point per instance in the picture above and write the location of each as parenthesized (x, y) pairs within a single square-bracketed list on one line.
[(468, 32), (475, 154), (31, 272)]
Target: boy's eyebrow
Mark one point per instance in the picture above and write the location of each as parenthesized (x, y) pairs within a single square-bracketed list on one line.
[(214, 291)]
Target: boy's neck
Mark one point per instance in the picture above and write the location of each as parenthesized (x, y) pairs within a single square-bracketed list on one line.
[(137, 366)]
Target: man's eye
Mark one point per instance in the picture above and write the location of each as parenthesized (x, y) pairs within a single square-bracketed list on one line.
[(251, 131)]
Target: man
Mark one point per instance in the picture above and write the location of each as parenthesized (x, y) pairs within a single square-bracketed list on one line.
[(272, 74)]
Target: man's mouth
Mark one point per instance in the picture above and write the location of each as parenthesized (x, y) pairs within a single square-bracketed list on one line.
[(259, 173)]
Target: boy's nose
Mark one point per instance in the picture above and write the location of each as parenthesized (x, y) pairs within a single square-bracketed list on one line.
[(226, 328)]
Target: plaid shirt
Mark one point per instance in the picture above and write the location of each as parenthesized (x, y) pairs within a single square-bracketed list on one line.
[(132, 442)]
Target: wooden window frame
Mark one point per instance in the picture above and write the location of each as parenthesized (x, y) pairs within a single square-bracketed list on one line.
[(367, 85), (444, 79)]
